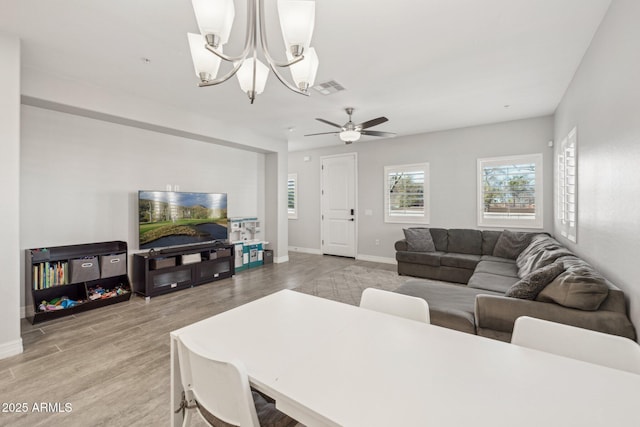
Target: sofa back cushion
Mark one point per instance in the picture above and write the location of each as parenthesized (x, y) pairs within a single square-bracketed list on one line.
[(440, 238), (543, 250), (489, 240), (465, 241), (511, 243)]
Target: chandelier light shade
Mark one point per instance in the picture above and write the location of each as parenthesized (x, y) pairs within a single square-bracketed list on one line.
[(296, 20), (215, 17), (304, 72), (215, 20), (204, 62), (245, 76), (349, 136)]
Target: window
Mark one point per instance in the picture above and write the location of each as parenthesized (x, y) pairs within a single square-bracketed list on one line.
[(292, 195), (407, 193), (510, 191), (567, 203)]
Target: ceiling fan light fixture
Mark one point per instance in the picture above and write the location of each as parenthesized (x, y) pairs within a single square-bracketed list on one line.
[(349, 135)]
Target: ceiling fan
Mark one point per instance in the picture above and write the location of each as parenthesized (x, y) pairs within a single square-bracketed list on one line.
[(350, 132)]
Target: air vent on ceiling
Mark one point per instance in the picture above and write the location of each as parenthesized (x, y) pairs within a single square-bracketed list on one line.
[(327, 88)]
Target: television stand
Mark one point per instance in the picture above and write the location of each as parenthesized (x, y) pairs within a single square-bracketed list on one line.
[(159, 272)]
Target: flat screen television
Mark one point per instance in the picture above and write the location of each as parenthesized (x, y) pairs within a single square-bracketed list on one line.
[(171, 218)]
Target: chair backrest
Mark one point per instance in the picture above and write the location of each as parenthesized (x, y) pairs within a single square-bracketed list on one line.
[(220, 387), (407, 306), (577, 343)]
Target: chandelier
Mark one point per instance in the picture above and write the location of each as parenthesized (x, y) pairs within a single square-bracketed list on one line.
[(215, 19)]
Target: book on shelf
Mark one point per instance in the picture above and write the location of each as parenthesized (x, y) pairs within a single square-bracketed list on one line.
[(48, 274)]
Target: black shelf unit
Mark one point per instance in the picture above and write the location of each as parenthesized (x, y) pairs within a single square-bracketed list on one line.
[(168, 270), (61, 282)]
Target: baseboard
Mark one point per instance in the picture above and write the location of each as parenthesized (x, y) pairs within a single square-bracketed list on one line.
[(373, 258), (281, 259), (305, 250), (11, 348)]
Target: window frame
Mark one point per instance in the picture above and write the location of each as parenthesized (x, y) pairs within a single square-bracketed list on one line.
[(292, 213), (537, 222), (423, 218)]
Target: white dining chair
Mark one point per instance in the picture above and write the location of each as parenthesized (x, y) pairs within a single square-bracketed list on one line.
[(220, 392), (577, 343), (407, 306)]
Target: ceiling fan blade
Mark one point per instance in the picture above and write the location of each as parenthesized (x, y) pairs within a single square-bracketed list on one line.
[(329, 123), (372, 122), (377, 133), (323, 133)]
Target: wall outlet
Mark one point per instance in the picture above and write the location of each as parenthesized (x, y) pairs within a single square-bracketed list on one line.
[(377, 242)]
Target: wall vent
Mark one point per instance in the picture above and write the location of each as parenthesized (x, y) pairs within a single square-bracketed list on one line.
[(328, 88)]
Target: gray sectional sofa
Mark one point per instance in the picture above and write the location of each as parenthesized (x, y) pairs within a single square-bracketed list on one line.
[(480, 281)]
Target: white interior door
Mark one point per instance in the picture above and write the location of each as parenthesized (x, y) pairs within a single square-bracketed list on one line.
[(338, 204)]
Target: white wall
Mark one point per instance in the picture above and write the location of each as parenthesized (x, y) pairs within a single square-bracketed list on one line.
[(10, 341), (452, 157), (603, 101), (80, 177), (89, 99)]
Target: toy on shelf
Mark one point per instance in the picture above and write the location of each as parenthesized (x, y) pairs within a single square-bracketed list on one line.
[(99, 292), (60, 303)]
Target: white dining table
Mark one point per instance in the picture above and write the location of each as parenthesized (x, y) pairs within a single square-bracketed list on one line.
[(327, 363)]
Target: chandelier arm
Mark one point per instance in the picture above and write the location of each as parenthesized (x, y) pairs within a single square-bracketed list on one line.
[(237, 60), (224, 78), (228, 58), (249, 37), (273, 63), (285, 82), (279, 63)]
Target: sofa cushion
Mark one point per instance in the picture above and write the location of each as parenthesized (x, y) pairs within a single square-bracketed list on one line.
[(497, 259), (467, 261), (440, 238), (543, 250), (579, 286), (419, 240), (450, 306), (489, 240), (497, 267), (529, 255), (465, 241), (491, 282), (554, 251), (424, 258), (511, 243), (530, 285)]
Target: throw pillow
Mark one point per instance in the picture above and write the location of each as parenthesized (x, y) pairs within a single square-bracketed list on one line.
[(419, 240), (530, 285), (511, 243)]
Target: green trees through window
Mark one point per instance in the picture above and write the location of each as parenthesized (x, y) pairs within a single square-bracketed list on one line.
[(510, 191), (406, 193)]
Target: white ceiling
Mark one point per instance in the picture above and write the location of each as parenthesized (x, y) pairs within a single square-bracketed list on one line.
[(425, 64)]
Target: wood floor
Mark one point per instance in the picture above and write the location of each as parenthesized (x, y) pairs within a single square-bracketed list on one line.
[(110, 366)]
